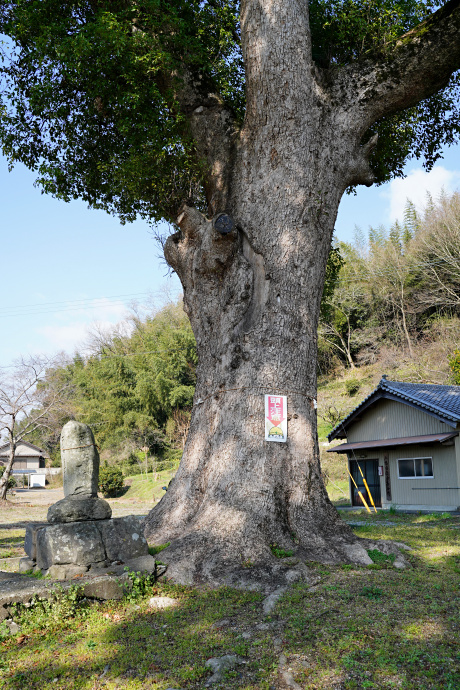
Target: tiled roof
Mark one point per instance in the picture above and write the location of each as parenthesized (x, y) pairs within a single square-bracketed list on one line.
[(443, 401), (23, 449)]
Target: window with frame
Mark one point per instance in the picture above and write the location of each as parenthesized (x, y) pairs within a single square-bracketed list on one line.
[(415, 468)]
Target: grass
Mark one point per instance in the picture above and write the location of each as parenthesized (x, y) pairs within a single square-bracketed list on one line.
[(339, 492), (145, 487), (324, 428), (154, 550), (11, 543), (279, 552), (374, 627)]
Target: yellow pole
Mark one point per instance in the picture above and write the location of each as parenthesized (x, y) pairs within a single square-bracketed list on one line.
[(359, 492), (367, 488)]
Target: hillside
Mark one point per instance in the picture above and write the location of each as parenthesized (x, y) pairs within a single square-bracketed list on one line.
[(342, 389)]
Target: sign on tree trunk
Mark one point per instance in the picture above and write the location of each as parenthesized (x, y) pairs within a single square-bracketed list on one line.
[(276, 418)]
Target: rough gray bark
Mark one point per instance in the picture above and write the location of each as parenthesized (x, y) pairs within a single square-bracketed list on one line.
[(253, 295)]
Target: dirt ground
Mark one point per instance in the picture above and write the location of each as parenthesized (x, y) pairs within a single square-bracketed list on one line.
[(37, 497), (31, 505)]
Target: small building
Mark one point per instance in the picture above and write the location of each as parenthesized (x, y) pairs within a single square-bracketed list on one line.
[(30, 460), (404, 438)]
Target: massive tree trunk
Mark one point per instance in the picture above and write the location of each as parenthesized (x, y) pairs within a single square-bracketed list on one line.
[(253, 298)]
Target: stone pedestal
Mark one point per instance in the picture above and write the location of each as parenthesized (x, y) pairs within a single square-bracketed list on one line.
[(65, 550)]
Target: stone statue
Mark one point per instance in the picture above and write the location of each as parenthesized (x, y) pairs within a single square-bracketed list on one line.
[(82, 537), (80, 463)]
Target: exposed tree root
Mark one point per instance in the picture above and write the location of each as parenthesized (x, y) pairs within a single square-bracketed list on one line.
[(198, 558)]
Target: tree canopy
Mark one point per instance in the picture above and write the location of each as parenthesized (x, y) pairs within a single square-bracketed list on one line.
[(91, 92)]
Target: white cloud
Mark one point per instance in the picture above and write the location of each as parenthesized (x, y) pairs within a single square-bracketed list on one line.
[(67, 330), (66, 338), (415, 187), (95, 310)]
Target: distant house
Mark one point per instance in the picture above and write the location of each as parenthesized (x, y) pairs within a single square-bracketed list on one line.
[(29, 460), (405, 439)]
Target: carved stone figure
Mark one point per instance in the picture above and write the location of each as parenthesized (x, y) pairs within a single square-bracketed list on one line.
[(80, 466), (90, 542)]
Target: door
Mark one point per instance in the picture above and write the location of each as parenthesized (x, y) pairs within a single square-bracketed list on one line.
[(370, 470)]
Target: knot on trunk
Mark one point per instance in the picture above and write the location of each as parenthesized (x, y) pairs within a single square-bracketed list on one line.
[(360, 170), (218, 275), (199, 248)]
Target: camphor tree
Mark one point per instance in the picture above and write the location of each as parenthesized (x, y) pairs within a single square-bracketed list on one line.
[(25, 406), (242, 124)]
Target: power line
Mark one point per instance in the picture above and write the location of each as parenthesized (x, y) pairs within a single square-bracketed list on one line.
[(38, 309), (71, 305), (85, 299)]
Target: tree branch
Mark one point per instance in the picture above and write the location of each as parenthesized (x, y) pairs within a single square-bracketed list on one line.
[(212, 126), (420, 64)]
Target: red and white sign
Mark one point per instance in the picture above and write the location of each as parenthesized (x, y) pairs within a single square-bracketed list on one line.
[(276, 418)]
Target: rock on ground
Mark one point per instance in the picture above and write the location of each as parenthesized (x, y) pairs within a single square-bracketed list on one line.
[(162, 602), (16, 588), (270, 602), (220, 665)]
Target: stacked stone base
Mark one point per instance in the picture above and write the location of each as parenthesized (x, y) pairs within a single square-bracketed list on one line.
[(67, 550)]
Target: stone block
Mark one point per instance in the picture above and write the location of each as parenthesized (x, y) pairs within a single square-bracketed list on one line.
[(107, 587), (78, 509), (66, 572), (142, 564), (26, 564), (77, 543), (30, 541), (123, 538)]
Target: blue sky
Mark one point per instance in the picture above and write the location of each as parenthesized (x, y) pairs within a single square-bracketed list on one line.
[(65, 267)]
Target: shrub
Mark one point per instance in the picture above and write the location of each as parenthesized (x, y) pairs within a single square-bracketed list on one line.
[(131, 470), (352, 386), (110, 481), (381, 558), (371, 592), (454, 363), (11, 483)]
